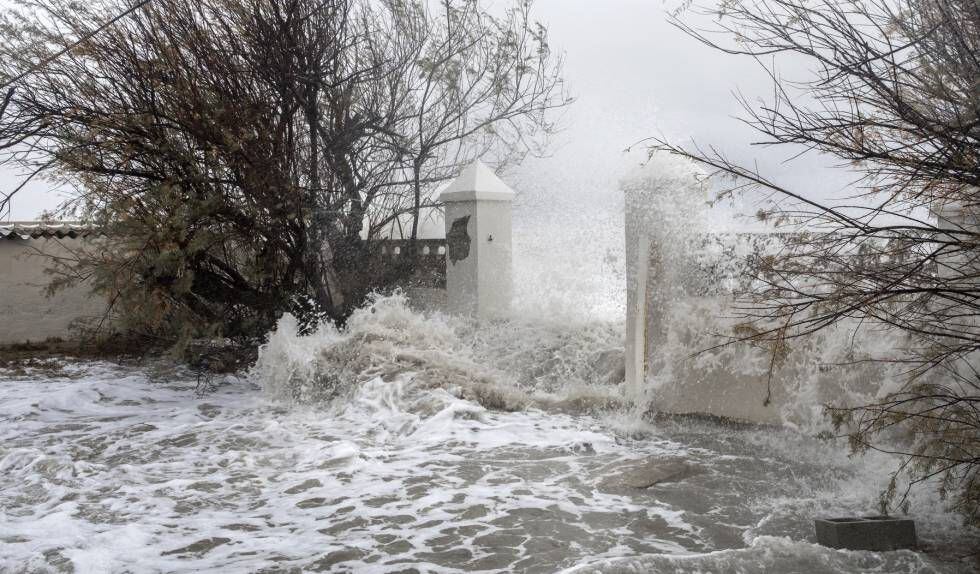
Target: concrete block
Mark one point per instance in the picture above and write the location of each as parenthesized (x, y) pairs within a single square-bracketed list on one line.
[(878, 533)]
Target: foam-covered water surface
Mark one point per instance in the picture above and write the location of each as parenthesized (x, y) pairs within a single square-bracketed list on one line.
[(413, 442)]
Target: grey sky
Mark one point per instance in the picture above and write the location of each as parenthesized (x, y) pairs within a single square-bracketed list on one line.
[(634, 76), (637, 76)]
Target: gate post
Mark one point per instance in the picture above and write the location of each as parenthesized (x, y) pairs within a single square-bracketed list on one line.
[(478, 243), (639, 314)]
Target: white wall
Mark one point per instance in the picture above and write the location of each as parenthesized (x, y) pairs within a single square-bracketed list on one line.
[(679, 318), (26, 313)]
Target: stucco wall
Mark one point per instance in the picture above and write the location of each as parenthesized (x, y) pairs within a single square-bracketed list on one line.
[(676, 341), (665, 327), (26, 313)]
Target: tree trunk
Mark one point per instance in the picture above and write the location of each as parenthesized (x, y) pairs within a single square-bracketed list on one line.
[(416, 212), (320, 273)]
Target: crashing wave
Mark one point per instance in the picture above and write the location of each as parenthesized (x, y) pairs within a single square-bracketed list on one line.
[(504, 365)]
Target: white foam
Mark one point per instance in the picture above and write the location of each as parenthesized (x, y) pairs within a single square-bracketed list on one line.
[(410, 440), (116, 469)]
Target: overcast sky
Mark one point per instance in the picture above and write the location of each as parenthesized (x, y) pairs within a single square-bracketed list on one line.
[(634, 76), (637, 76)]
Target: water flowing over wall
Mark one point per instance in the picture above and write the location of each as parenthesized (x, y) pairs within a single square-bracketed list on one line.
[(682, 316)]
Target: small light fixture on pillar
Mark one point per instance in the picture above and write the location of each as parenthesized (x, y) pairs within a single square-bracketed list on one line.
[(478, 273)]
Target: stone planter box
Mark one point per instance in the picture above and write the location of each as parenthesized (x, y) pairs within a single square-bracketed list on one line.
[(878, 533)]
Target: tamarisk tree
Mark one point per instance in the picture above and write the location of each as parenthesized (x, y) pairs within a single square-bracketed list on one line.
[(895, 96), (242, 155)]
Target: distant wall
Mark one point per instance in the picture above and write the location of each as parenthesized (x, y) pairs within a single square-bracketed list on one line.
[(26, 313), (430, 266)]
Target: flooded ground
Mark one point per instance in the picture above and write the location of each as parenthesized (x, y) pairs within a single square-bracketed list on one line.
[(118, 468)]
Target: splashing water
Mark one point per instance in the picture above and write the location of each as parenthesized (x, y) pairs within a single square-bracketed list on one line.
[(418, 442), (691, 256), (413, 441)]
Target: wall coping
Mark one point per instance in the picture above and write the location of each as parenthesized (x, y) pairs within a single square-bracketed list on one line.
[(43, 230)]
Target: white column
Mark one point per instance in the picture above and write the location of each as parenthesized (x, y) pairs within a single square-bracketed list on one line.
[(478, 238)]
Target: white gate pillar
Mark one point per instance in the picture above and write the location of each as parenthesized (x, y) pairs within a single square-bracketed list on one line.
[(644, 289), (478, 243)]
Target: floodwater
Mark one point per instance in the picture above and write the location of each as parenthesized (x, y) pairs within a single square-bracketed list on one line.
[(418, 443)]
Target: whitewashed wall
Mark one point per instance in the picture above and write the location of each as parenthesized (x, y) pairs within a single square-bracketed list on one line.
[(679, 318), (26, 313)]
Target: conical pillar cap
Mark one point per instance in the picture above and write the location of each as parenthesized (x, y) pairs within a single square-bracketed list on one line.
[(477, 183)]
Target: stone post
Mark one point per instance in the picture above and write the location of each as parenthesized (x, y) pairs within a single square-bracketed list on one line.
[(478, 243)]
